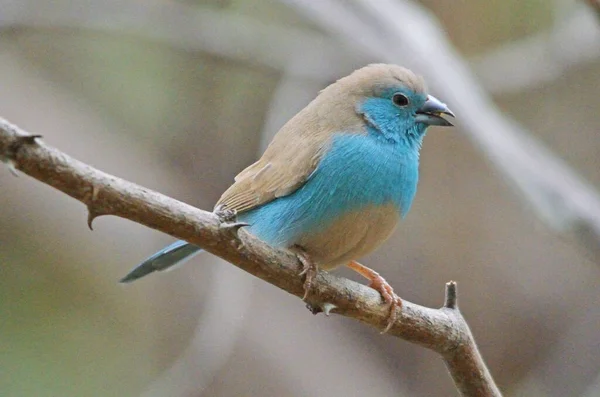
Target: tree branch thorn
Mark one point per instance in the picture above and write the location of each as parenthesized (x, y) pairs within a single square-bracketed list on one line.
[(92, 213), (324, 308)]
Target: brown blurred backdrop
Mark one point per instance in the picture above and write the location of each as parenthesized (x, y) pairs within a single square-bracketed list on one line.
[(179, 97)]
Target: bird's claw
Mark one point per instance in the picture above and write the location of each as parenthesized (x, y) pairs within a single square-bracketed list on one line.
[(227, 218), (225, 215), (386, 291), (233, 226), (389, 297), (309, 271)]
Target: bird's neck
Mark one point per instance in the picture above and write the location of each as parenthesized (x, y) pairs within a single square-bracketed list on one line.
[(410, 139)]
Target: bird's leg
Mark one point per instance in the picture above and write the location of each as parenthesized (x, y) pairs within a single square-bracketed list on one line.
[(228, 217), (309, 270), (379, 284)]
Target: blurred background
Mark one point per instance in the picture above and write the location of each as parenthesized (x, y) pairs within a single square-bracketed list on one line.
[(179, 96)]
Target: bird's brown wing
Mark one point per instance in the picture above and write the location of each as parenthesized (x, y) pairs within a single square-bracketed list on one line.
[(281, 170)]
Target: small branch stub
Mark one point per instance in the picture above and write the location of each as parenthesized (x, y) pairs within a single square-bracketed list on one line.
[(451, 300)]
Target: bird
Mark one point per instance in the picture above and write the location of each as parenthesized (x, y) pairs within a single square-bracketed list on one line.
[(336, 179)]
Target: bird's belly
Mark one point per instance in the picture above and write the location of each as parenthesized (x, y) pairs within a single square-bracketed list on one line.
[(350, 236)]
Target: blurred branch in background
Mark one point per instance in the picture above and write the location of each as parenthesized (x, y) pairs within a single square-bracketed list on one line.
[(217, 331), (537, 60), (530, 62), (405, 33), (191, 28)]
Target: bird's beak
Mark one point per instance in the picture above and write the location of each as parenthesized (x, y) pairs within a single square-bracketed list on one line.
[(431, 111)]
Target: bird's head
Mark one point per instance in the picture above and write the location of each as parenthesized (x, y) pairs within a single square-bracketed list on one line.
[(392, 102)]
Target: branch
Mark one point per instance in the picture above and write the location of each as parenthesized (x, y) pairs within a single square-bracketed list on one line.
[(444, 330)]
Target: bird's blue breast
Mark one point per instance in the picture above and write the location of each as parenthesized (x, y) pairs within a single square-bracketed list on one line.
[(357, 171)]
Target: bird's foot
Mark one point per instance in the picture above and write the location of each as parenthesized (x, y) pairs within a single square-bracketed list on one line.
[(309, 270), (387, 293), (225, 215), (228, 219), (379, 284), (235, 226)]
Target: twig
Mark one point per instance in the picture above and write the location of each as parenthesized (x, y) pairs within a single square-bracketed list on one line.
[(444, 330), (472, 379)]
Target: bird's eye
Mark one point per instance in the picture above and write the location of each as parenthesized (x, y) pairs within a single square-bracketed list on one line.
[(400, 100)]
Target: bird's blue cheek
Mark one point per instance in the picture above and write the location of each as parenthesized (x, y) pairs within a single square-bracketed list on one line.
[(384, 117)]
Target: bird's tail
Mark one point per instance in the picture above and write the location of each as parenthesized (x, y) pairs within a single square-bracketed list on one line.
[(166, 258)]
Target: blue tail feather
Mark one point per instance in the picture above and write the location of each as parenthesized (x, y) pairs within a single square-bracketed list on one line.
[(171, 255)]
